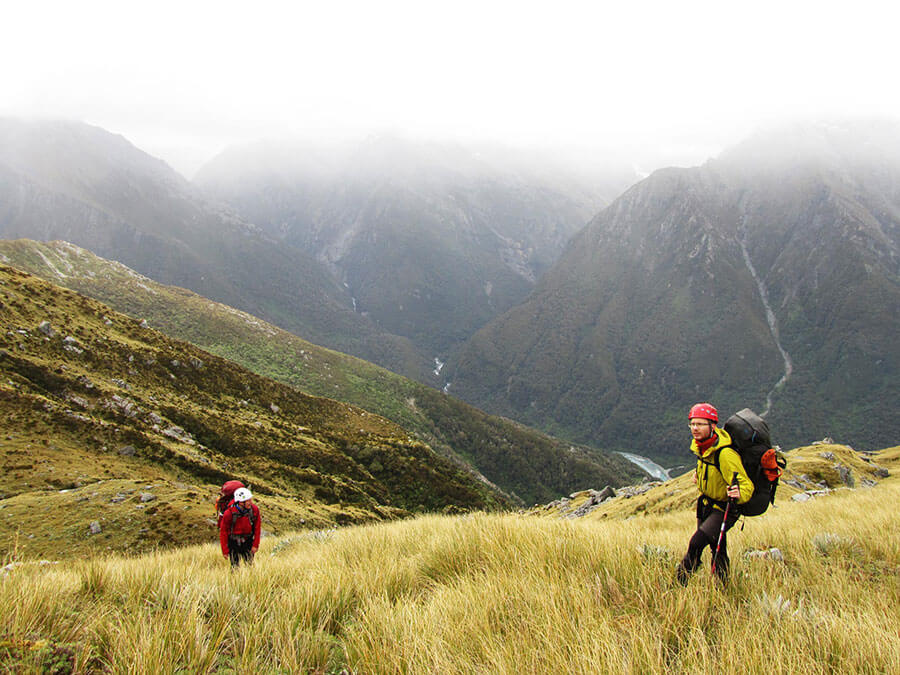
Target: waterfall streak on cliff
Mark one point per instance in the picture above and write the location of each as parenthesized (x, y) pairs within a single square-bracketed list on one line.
[(773, 328)]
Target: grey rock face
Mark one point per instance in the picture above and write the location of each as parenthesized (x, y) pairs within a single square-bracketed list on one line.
[(846, 475)]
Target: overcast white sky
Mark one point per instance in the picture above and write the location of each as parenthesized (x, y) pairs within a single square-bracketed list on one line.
[(670, 82)]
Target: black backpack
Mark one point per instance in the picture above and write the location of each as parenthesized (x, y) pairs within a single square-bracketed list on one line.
[(763, 463)]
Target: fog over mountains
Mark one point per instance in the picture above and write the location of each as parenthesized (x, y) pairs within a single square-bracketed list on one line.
[(393, 251), (82, 184), (431, 240), (768, 277)]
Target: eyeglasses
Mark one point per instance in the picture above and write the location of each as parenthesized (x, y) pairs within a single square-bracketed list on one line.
[(699, 424)]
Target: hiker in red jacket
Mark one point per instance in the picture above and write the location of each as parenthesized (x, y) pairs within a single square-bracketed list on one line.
[(239, 529)]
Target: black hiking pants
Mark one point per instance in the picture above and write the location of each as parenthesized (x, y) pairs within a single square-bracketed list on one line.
[(240, 548), (709, 524)]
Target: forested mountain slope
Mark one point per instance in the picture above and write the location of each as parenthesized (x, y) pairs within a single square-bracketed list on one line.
[(769, 278)]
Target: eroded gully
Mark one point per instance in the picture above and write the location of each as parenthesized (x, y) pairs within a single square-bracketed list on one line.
[(773, 327)]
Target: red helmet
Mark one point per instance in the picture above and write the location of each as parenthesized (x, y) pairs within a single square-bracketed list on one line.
[(705, 411)]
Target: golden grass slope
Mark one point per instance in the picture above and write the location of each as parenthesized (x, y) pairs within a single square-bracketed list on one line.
[(105, 422), (815, 468), (485, 594), (529, 466)]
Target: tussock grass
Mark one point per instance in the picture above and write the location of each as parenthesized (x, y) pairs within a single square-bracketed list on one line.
[(483, 594)]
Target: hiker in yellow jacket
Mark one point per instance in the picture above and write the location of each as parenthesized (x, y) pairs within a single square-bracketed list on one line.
[(720, 477)]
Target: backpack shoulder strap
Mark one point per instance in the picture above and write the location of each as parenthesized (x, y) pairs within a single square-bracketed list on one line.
[(236, 513), (713, 459)]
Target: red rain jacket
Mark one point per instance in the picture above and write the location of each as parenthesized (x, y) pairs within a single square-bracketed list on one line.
[(242, 527)]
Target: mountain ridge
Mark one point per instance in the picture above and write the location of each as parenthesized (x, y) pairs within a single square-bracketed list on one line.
[(72, 181), (658, 302), (431, 239), (528, 465)]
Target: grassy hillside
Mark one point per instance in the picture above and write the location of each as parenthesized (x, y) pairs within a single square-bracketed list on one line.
[(815, 469), (107, 422), (484, 593), (528, 464)]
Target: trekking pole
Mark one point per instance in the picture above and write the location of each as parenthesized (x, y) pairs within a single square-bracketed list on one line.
[(722, 529)]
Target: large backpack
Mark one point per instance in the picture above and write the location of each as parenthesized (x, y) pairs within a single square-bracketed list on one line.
[(226, 497), (763, 463)]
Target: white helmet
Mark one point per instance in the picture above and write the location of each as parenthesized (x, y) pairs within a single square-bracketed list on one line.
[(242, 495)]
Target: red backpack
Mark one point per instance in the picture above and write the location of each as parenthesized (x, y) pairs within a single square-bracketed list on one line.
[(226, 497)]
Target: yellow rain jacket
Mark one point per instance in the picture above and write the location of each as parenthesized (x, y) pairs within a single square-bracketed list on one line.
[(712, 480)]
